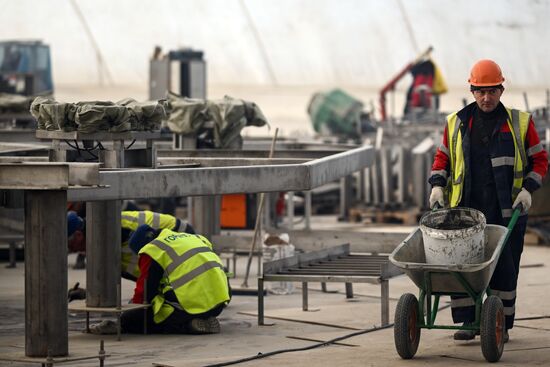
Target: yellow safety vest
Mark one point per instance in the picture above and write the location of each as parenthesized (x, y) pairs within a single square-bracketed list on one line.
[(518, 122), (192, 270), (131, 220)]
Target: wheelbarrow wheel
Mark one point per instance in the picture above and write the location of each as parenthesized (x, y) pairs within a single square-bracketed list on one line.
[(406, 332), (492, 329)]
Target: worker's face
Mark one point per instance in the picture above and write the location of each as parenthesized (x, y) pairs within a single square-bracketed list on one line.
[(487, 99)]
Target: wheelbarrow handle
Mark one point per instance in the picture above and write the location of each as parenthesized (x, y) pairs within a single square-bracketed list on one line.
[(511, 224), (515, 216)]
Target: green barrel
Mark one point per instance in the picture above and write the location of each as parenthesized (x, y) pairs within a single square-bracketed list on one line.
[(335, 113)]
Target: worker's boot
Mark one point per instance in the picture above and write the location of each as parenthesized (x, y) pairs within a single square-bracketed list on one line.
[(80, 262), (209, 325), (466, 334), (506, 336)]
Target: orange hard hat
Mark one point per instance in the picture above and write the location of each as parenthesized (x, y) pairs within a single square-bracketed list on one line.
[(485, 73)]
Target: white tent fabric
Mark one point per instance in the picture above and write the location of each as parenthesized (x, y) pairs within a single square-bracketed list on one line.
[(286, 42)]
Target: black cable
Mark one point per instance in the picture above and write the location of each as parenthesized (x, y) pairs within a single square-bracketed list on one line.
[(533, 317), (77, 147), (69, 144), (92, 154), (321, 344), (132, 143), (87, 150)]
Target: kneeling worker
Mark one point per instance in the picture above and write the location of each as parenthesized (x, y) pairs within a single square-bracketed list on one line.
[(129, 222), (184, 280)]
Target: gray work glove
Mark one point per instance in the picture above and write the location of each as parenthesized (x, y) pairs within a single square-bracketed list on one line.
[(523, 198), (437, 197)]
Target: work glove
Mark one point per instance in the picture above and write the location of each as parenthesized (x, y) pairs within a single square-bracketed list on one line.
[(436, 197), (523, 198), (76, 293)]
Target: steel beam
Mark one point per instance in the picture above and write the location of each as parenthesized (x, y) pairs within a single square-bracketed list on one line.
[(149, 183), (224, 153), (226, 162), (98, 136), (47, 176)]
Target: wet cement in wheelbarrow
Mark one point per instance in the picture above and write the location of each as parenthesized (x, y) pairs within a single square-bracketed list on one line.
[(453, 222)]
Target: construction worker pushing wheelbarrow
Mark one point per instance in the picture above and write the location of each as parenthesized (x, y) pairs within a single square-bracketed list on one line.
[(490, 160)]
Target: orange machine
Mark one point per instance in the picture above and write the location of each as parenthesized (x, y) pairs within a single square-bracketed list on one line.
[(234, 211)]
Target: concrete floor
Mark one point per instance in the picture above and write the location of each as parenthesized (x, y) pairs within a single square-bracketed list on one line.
[(241, 337)]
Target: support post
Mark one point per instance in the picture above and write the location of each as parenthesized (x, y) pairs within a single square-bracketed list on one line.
[(46, 323), (205, 214), (102, 252), (290, 210), (307, 214), (304, 297), (345, 197), (260, 301), (349, 290), (385, 300)]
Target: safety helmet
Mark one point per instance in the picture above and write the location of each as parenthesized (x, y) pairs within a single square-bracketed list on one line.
[(485, 73)]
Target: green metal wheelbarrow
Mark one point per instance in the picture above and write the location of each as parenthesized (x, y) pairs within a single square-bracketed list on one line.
[(436, 280)]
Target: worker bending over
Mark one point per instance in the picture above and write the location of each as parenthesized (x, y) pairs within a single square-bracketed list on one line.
[(129, 222), (491, 159), (181, 278)]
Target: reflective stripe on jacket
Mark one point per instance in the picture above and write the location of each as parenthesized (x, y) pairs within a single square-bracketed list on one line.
[(502, 159), (192, 270), (131, 220)]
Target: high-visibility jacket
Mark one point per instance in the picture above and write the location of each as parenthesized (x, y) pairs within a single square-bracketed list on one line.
[(517, 158), (192, 271), (131, 220)]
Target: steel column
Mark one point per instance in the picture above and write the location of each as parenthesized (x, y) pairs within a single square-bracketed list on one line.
[(385, 298), (304, 297), (103, 240), (205, 214), (260, 301), (345, 197), (349, 290), (102, 252), (46, 324), (307, 212)]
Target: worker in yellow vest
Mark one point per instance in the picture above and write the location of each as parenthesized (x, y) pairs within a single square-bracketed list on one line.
[(181, 278), (130, 220), (491, 159)]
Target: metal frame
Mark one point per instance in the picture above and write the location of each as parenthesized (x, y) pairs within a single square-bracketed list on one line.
[(45, 213), (151, 183), (332, 265)]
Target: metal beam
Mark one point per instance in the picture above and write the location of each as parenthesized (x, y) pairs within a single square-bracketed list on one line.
[(316, 239), (150, 183), (22, 159), (99, 136), (47, 176), (228, 162), (223, 153)]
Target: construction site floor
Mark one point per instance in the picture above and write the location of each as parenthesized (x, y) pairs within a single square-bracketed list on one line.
[(330, 316)]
